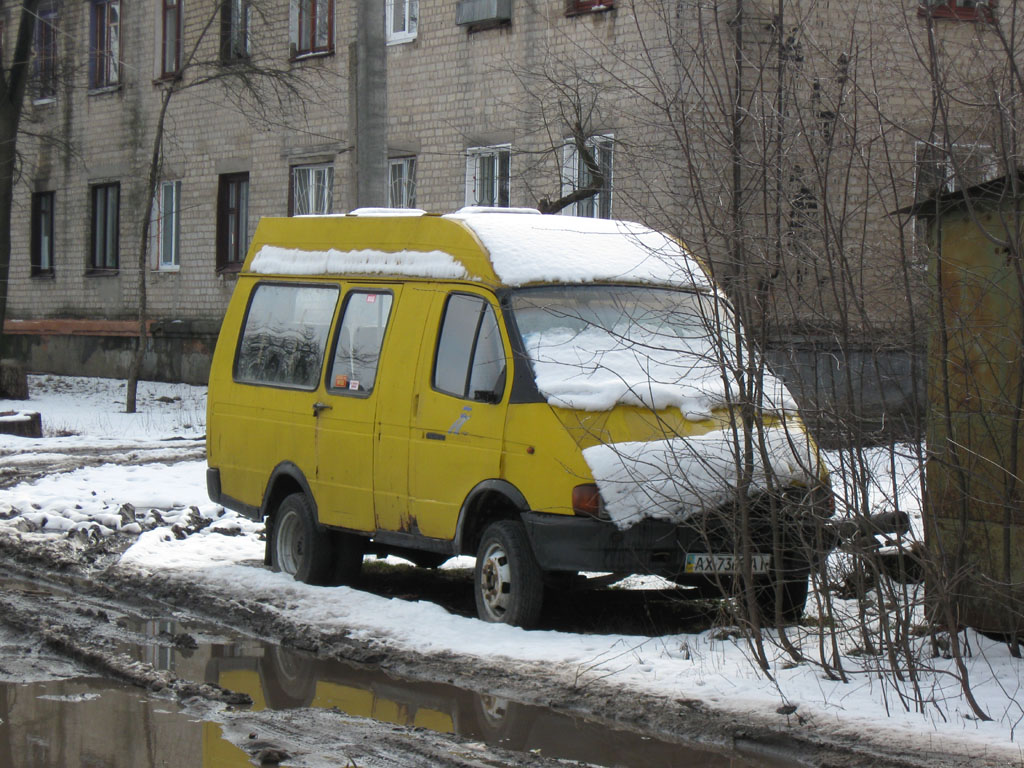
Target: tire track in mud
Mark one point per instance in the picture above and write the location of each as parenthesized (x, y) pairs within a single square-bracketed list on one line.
[(93, 571), (90, 630), (18, 467)]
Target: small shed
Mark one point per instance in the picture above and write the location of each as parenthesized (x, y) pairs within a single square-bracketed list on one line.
[(974, 503)]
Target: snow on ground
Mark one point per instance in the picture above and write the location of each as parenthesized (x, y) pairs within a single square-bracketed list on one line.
[(93, 409), (183, 532)]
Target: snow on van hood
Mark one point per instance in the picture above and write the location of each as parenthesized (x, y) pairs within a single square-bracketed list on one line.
[(675, 478), (535, 248), (274, 260)]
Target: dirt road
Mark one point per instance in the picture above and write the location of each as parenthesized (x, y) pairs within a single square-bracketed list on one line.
[(78, 618)]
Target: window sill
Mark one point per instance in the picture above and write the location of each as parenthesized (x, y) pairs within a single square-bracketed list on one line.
[(311, 55), (93, 272), (978, 13), (44, 100), (401, 39), (167, 269), (585, 10), (104, 89), (167, 79), (230, 269), (43, 274)]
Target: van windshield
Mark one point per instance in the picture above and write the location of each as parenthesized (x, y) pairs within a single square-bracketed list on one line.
[(594, 346)]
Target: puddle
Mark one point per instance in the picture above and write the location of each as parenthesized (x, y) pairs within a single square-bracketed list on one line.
[(95, 723), (279, 678), (85, 722)]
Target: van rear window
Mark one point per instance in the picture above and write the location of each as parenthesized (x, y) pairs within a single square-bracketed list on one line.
[(285, 335)]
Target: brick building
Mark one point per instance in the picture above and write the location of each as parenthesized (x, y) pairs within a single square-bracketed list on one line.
[(775, 138)]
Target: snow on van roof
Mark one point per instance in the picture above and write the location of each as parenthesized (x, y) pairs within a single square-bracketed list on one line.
[(534, 248), (274, 260), (387, 212)]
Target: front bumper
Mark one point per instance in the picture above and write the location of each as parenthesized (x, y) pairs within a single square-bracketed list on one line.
[(659, 547), (564, 543)]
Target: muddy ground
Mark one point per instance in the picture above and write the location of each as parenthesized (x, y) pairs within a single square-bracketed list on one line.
[(80, 627)]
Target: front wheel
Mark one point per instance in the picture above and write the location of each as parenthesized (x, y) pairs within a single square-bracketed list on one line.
[(508, 583), (782, 596)]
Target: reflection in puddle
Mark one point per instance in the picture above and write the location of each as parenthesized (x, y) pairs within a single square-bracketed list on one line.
[(96, 723), (277, 678), (85, 722)]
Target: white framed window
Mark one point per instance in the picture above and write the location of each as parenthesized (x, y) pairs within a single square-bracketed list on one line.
[(312, 189), (488, 170), (576, 175), (402, 182), (938, 169), (168, 224), (401, 18)]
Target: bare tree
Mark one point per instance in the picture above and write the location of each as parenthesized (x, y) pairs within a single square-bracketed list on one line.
[(777, 139), (14, 76), (254, 83)]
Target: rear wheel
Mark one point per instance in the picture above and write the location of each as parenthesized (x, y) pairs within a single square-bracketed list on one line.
[(508, 583), (300, 546)]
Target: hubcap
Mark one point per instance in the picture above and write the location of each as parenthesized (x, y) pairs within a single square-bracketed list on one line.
[(495, 581), (289, 542)]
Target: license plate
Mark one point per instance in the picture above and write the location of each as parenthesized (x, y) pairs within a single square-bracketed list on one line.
[(697, 562)]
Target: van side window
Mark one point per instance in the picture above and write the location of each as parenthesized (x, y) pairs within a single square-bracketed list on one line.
[(360, 336), (284, 339), (470, 360)]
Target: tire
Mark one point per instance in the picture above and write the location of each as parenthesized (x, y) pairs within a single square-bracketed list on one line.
[(300, 546), (507, 582), (791, 587)]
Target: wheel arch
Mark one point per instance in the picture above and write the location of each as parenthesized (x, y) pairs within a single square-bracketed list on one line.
[(285, 479), (488, 502)]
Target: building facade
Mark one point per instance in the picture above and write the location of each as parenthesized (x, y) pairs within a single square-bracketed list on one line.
[(775, 138)]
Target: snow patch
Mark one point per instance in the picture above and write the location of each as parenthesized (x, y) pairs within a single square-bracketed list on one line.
[(568, 249), (673, 479), (274, 260), (13, 417)]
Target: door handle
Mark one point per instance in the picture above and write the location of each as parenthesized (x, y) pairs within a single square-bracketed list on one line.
[(318, 407)]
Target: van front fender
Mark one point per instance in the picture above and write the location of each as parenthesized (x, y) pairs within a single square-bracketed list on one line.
[(489, 500)]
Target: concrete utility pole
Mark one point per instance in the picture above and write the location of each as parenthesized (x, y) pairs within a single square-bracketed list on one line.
[(368, 90)]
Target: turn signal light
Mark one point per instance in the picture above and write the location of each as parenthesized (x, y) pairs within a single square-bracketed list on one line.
[(586, 500)]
